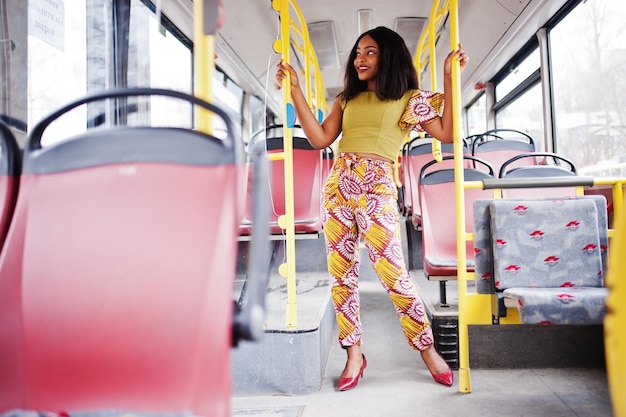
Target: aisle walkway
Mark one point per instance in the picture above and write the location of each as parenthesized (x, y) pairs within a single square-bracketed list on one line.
[(397, 383)]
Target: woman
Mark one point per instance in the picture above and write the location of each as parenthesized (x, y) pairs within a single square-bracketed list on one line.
[(380, 102)]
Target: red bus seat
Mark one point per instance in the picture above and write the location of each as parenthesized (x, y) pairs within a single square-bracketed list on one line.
[(500, 145), (417, 157), (438, 207), (405, 203), (116, 282), (538, 167), (307, 171)]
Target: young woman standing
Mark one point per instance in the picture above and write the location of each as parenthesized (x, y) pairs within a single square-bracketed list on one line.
[(380, 102)]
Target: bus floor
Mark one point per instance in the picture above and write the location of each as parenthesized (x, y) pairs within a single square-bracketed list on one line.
[(396, 381)]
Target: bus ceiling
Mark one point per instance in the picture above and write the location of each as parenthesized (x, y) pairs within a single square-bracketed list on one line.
[(245, 50)]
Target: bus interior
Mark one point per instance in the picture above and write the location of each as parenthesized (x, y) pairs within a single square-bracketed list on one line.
[(162, 243)]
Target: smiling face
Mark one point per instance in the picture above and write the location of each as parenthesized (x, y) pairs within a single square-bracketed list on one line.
[(366, 61)]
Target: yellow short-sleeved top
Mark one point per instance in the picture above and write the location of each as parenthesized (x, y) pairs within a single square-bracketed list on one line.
[(378, 127)]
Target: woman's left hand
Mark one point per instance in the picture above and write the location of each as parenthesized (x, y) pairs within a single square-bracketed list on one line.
[(460, 55)]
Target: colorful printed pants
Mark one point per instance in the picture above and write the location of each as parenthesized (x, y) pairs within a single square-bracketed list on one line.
[(360, 201)]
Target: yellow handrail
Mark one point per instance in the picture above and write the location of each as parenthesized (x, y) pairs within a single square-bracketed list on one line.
[(315, 94), (318, 102), (429, 39), (282, 46)]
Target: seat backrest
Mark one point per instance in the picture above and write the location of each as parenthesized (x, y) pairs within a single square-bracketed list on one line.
[(416, 157), (538, 168), (307, 180), (438, 207), (405, 202), (483, 242), (540, 243), (499, 145), (546, 243), (117, 274)]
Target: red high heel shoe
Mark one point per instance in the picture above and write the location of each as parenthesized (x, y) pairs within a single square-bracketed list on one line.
[(345, 384), (445, 377)]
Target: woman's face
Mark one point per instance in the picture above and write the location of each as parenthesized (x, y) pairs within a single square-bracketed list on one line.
[(366, 61)]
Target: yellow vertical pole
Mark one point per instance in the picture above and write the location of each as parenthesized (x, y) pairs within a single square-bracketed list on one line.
[(288, 269), (307, 63), (417, 61), (319, 96), (204, 59), (464, 372), (307, 52), (615, 319)]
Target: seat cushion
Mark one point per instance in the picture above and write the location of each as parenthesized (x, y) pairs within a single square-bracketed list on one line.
[(574, 305)]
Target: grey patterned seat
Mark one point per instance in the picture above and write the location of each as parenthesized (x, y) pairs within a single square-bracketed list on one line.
[(544, 256)]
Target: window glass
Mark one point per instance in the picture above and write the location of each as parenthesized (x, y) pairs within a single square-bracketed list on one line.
[(236, 93), (589, 81), (57, 64), (70, 54), (477, 116), (524, 114), (518, 74), (257, 115), (228, 96), (152, 51)]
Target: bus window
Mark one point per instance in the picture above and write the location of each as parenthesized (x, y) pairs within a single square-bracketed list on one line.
[(525, 114), (73, 57), (229, 97), (477, 116), (57, 61), (518, 74), (518, 97), (153, 48), (257, 115), (589, 76)]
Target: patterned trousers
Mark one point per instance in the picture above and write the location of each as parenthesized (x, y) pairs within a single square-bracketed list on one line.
[(360, 202)]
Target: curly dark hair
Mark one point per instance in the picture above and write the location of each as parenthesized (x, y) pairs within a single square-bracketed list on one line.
[(396, 73)]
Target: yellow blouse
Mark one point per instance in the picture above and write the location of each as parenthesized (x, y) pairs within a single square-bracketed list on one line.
[(370, 125)]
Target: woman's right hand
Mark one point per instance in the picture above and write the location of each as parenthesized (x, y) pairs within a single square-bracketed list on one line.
[(281, 73), (460, 55)]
